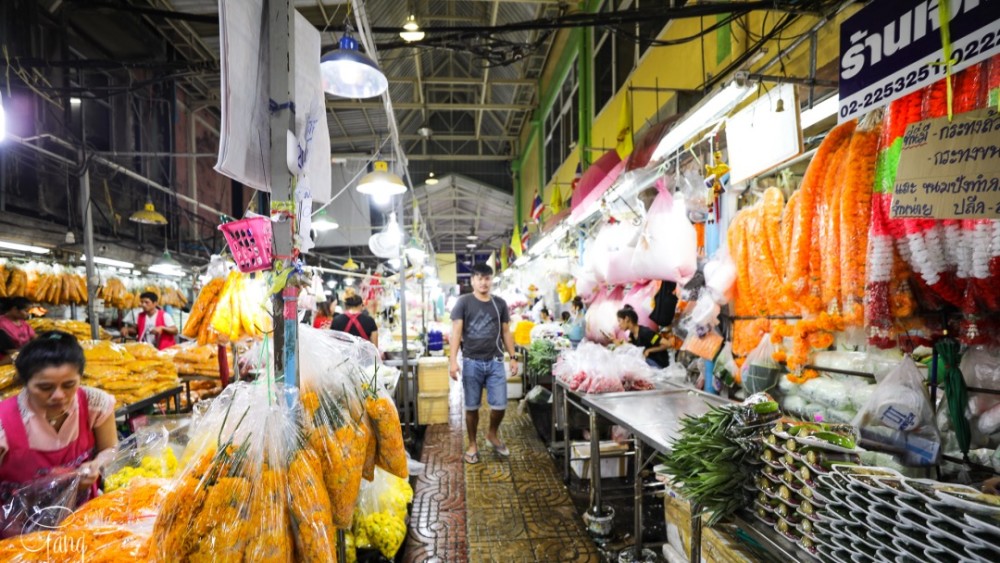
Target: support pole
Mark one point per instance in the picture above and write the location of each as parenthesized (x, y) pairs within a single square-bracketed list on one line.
[(88, 247), (281, 63), (402, 320)]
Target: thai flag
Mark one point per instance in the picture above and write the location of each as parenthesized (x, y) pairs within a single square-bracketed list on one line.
[(576, 177), (537, 207), (525, 235)]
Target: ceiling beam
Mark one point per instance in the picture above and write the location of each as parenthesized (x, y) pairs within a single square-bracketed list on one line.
[(455, 80), (486, 76), (349, 105), (437, 136), (455, 157)]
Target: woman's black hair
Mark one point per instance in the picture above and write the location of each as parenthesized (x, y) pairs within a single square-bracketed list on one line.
[(353, 301), (49, 349), (578, 302), (14, 303), (323, 308), (544, 311), (565, 316), (627, 312)]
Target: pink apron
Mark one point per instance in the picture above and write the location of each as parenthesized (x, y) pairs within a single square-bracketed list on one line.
[(23, 464)]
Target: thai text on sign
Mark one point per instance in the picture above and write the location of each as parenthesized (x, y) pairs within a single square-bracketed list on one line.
[(950, 170)]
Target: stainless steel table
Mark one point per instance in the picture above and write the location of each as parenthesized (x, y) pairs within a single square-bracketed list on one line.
[(654, 418)]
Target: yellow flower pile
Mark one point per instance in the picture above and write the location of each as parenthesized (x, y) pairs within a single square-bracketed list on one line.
[(131, 372), (163, 465), (380, 521)]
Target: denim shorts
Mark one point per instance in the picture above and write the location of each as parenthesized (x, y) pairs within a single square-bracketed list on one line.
[(490, 374)]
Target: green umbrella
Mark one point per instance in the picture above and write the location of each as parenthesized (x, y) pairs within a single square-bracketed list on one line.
[(954, 387)]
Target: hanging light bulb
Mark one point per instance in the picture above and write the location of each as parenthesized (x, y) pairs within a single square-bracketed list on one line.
[(323, 222), (349, 73), (148, 215), (411, 30), (382, 199), (351, 265), (166, 265), (431, 180), (381, 182), (779, 106)]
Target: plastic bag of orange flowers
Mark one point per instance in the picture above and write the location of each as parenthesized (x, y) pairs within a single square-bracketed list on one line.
[(231, 501)]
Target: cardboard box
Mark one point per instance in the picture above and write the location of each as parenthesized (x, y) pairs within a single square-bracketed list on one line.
[(610, 467), (515, 388), (432, 408), (432, 375), (717, 546)]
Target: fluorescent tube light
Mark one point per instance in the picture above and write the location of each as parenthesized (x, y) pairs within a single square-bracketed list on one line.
[(23, 247), (819, 112), (109, 262), (701, 117)]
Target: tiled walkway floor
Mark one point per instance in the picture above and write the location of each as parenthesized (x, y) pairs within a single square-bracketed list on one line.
[(514, 510)]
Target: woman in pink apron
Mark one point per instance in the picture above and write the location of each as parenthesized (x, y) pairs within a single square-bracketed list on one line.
[(54, 424)]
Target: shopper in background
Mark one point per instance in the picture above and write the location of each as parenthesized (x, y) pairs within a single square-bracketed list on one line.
[(544, 316), (566, 318), (480, 327), (14, 320), (576, 327), (324, 316), (54, 422), (152, 324), (653, 345), (354, 321)]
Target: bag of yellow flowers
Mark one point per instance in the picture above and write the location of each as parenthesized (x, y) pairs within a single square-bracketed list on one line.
[(380, 520)]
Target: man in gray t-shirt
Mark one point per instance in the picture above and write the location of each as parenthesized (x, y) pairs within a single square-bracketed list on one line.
[(480, 328)]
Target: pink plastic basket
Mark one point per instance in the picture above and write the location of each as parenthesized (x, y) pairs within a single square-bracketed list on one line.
[(250, 242)]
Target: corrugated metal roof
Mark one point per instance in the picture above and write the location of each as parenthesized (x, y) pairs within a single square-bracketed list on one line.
[(421, 74)]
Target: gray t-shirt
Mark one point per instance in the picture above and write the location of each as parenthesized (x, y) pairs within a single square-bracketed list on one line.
[(481, 338)]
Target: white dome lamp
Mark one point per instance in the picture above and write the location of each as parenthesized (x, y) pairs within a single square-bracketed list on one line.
[(381, 184), (349, 73), (411, 30)]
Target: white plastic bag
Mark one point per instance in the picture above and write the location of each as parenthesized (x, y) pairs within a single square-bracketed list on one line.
[(720, 276), (602, 316), (667, 246), (899, 413), (615, 245)]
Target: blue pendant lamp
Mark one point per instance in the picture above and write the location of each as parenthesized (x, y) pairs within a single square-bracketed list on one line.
[(349, 73)]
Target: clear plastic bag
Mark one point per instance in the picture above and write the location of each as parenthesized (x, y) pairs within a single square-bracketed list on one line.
[(631, 367), (899, 414), (145, 454), (230, 503), (380, 521), (760, 372), (40, 504)]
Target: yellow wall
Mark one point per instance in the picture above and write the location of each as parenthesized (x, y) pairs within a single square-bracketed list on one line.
[(680, 66)]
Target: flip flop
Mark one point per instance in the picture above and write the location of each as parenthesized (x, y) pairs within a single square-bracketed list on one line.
[(500, 449), (471, 458)]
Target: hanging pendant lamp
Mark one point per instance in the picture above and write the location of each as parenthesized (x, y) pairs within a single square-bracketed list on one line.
[(148, 215), (411, 30), (380, 183), (351, 265), (349, 73)]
